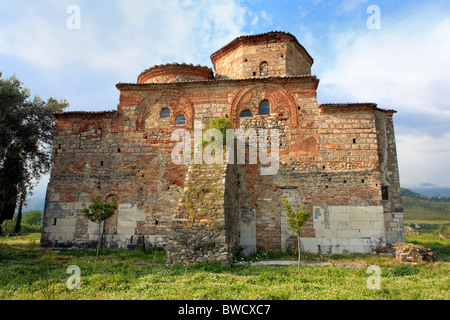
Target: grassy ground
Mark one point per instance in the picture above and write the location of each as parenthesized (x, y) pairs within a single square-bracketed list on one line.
[(30, 272)]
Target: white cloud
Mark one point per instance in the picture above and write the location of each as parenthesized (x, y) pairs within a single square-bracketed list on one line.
[(399, 67), (422, 157), (122, 37), (403, 66)]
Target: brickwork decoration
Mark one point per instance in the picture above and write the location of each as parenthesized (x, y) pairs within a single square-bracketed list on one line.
[(281, 103)]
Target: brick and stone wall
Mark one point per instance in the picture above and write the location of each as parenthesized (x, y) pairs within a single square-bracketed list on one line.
[(175, 73), (271, 54), (205, 226), (99, 154), (338, 159)]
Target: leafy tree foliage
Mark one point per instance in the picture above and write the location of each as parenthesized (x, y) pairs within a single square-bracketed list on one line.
[(26, 136), (32, 217), (222, 124)]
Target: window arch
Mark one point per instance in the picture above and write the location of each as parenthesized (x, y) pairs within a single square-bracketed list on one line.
[(180, 120), (264, 107), (246, 114), (165, 113), (263, 69)]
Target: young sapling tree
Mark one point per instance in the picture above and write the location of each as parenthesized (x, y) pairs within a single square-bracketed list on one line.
[(296, 220), (98, 211)]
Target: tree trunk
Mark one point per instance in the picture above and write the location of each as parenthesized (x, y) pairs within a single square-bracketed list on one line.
[(298, 244), (19, 214), (99, 240)]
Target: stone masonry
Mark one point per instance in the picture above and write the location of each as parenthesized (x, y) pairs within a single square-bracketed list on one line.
[(338, 159)]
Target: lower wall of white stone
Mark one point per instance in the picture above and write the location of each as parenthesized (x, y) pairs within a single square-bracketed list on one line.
[(338, 229), (61, 222), (346, 229)]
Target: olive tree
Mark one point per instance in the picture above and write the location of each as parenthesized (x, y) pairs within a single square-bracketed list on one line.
[(26, 138)]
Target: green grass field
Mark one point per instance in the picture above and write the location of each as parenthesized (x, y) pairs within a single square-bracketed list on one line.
[(33, 273), (419, 209)]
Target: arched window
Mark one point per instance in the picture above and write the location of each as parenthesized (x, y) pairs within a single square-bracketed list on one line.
[(264, 69), (165, 113), (264, 107), (180, 120), (246, 114)]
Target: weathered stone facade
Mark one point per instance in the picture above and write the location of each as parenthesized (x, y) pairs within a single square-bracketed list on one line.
[(338, 159)]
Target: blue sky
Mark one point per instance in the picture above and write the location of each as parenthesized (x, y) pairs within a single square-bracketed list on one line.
[(403, 65)]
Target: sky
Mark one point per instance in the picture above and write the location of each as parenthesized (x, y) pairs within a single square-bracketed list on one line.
[(395, 53)]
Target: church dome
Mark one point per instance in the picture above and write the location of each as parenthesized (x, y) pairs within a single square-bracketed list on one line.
[(175, 72)]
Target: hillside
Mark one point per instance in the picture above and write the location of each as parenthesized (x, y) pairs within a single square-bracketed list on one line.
[(421, 208), (412, 194)]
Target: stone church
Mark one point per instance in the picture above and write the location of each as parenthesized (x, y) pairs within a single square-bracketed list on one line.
[(339, 159)]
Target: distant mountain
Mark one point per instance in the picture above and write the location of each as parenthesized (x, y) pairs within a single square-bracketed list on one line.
[(408, 193), (431, 190), (413, 194)]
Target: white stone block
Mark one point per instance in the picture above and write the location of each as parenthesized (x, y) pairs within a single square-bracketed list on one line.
[(61, 236), (128, 232), (131, 215), (246, 226), (69, 205), (355, 210), (358, 242), (340, 217), (378, 225), (333, 233), (57, 229), (68, 229), (336, 210), (377, 210), (344, 242), (66, 222), (246, 233), (362, 225), (348, 233), (324, 241), (360, 216), (78, 205), (332, 225), (344, 225), (309, 245), (317, 213), (373, 234), (356, 249), (248, 242), (93, 228)]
